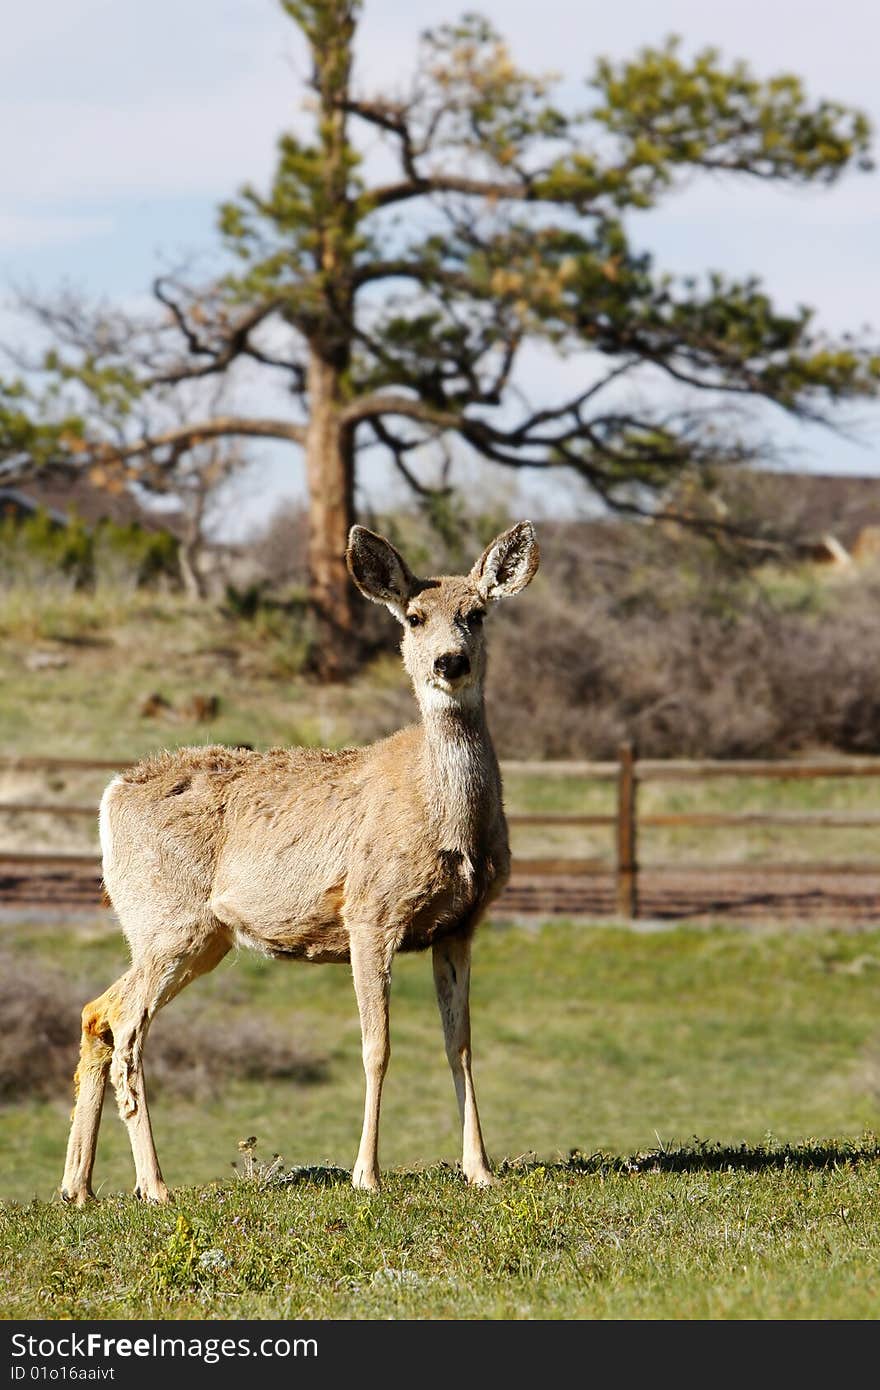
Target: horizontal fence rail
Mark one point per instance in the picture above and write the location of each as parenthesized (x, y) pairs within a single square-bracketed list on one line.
[(627, 773)]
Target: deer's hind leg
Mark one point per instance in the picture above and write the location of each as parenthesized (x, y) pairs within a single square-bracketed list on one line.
[(114, 1032), (89, 1083), (157, 980)]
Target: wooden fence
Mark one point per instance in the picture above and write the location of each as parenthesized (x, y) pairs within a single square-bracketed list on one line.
[(627, 773)]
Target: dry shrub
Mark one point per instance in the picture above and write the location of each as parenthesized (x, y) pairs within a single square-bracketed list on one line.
[(196, 1056), (39, 1031), (187, 1055), (650, 633), (633, 632)]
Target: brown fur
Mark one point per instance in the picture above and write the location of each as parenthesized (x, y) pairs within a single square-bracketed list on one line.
[(316, 855)]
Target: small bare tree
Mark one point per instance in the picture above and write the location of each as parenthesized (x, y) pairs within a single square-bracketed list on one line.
[(197, 482)]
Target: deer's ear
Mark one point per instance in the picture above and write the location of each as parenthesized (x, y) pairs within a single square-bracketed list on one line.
[(508, 564), (378, 570)]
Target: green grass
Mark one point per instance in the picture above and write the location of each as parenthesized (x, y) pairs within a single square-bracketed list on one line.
[(619, 1046), (586, 1039), (794, 1236)]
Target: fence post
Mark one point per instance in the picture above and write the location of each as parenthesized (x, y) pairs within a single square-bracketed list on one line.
[(627, 865)]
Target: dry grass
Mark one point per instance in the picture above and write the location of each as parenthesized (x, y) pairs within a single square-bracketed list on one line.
[(628, 632)]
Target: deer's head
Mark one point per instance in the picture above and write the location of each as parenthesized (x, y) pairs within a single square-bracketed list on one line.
[(443, 647)]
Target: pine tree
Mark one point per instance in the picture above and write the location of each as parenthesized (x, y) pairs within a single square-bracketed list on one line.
[(396, 311)]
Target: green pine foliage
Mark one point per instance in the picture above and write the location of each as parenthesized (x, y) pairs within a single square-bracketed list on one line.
[(30, 428)]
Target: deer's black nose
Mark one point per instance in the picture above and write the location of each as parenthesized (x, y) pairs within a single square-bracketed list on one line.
[(452, 665)]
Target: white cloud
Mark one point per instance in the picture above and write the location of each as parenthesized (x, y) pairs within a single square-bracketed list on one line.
[(164, 146)]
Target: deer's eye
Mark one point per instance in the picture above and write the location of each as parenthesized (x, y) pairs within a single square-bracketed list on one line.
[(475, 618), (414, 619)]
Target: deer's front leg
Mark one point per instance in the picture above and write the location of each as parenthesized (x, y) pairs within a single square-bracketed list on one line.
[(452, 977), (371, 968)]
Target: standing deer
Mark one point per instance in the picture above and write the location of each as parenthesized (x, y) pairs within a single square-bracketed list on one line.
[(323, 856)]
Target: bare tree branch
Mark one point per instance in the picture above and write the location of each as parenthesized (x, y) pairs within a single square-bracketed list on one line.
[(234, 342), (386, 403), (398, 448), (221, 426), (403, 190)]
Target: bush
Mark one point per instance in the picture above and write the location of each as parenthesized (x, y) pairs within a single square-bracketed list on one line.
[(131, 552), (36, 547), (631, 632), (650, 633), (39, 1042), (37, 551)]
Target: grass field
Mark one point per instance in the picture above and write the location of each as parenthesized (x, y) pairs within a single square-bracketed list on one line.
[(719, 1088), (113, 649), (682, 1120), (796, 1238)]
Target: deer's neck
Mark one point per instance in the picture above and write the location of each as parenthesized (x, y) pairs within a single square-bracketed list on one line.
[(460, 771)]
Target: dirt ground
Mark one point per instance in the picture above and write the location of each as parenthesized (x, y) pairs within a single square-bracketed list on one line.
[(680, 895)]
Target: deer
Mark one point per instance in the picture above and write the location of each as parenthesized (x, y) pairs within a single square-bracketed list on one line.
[(307, 854)]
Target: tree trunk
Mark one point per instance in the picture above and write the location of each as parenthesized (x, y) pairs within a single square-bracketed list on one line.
[(329, 446), (191, 577), (330, 478), (190, 544)]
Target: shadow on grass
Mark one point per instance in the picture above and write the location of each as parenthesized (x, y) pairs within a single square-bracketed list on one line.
[(706, 1156), (698, 1156), (318, 1175)]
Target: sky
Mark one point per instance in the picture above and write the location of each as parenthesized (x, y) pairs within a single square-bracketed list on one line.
[(124, 125)]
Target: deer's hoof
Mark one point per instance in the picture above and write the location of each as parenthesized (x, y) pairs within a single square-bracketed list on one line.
[(365, 1180), (77, 1196), (481, 1178), (156, 1192)]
